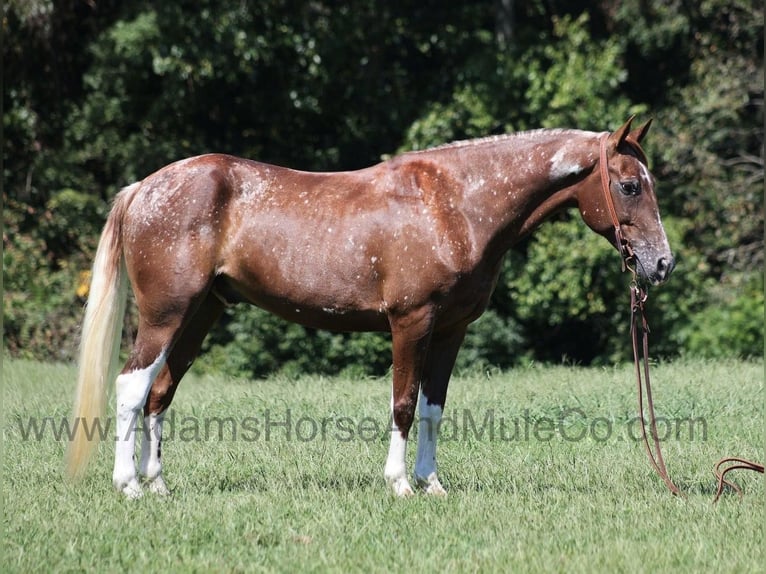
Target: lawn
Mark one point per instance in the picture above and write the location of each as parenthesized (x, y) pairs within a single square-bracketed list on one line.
[(541, 464)]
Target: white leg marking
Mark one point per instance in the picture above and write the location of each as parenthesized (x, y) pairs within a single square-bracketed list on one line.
[(396, 470), (151, 461), (425, 463), (132, 389)]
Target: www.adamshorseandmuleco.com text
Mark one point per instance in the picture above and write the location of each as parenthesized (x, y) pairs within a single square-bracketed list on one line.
[(569, 424)]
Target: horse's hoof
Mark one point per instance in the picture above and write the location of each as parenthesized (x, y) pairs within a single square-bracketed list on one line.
[(435, 489), (132, 490), (401, 487), (431, 486), (157, 486)]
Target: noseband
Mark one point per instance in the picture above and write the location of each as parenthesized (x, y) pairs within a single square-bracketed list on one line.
[(638, 297)]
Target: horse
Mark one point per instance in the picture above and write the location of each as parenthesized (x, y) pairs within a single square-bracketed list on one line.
[(411, 246)]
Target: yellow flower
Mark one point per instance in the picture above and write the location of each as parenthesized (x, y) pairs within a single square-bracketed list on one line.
[(83, 284)]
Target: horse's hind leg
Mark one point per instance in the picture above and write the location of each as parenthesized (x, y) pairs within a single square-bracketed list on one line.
[(146, 361), (161, 322), (163, 389)]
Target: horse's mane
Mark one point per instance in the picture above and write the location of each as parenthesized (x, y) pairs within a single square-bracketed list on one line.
[(496, 139), (529, 134)]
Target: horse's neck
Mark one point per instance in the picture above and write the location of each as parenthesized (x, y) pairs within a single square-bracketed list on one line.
[(512, 187)]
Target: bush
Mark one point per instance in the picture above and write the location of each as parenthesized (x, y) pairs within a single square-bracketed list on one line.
[(491, 341), (45, 262), (730, 326), (250, 342)]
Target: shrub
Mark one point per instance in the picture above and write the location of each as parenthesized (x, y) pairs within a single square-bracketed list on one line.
[(731, 325)]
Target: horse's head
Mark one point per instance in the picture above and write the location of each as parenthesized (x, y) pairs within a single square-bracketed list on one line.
[(631, 189)]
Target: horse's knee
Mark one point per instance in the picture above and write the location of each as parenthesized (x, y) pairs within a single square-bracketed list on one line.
[(403, 415)]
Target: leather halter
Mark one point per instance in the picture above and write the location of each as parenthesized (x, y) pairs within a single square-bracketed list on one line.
[(638, 297), (622, 244)]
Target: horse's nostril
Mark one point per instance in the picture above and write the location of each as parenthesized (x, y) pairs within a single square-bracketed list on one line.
[(665, 266)]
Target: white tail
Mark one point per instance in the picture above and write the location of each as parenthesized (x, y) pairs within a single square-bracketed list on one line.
[(101, 336)]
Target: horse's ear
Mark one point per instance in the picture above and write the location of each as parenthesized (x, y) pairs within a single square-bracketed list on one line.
[(616, 138), (638, 134)]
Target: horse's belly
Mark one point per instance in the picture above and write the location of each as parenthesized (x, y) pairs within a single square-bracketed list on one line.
[(328, 316), (316, 302), (333, 319)]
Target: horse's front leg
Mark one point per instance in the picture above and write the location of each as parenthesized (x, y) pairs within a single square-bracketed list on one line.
[(433, 394), (410, 336)]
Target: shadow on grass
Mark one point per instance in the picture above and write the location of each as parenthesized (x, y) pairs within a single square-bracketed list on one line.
[(262, 482)]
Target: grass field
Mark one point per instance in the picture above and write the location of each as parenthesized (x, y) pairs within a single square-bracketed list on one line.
[(540, 463)]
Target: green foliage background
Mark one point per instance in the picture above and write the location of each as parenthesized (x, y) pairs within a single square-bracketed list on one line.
[(100, 94)]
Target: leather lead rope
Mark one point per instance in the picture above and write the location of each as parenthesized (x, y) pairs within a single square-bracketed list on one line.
[(738, 463), (638, 297)]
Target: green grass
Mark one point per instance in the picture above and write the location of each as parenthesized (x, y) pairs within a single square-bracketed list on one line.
[(539, 503)]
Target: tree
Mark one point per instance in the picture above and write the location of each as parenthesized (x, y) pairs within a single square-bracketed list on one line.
[(103, 93)]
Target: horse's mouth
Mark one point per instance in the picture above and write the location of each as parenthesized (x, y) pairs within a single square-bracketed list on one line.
[(662, 270), (655, 280), (658, 273)]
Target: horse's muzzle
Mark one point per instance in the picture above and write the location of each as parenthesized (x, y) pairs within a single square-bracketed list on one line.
[(665, 266)]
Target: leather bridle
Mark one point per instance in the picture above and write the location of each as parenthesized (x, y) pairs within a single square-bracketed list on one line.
[(622, 244), (638, 298)]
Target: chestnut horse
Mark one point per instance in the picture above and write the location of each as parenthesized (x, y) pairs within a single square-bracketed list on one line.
[(412, 246)]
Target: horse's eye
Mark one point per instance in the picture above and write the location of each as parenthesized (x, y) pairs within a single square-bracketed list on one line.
[(630, 187)]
